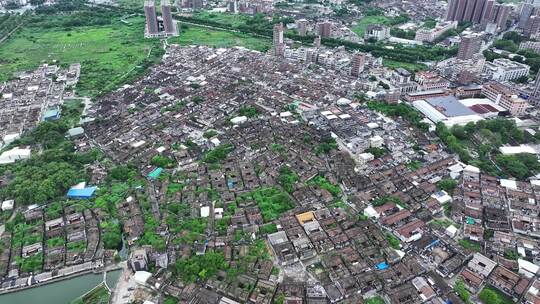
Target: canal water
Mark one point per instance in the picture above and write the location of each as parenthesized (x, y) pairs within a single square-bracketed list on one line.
[(62, 292)]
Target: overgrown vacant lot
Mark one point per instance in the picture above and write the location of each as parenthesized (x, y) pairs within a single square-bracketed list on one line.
[(232, 19), (110, 54), (107, 53), (193, 35), (363, 23)]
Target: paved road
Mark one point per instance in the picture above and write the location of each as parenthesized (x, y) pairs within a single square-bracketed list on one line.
[(10, 33), (122, 293), (3, 227)]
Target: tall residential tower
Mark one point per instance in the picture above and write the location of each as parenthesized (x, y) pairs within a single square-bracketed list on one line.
[(164, 27), (470, 44), (168, 23), (278, 42), (357, 64), (478, 12), (152, 27)]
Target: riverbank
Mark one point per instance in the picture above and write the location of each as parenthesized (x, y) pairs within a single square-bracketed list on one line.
[(58, 278), (61, 291), (99, 294)]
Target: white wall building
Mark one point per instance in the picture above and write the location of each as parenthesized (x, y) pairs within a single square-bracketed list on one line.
[(429, 35), (503, 69), (14, 155)]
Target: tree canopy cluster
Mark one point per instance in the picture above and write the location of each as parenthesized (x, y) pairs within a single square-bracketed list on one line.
[(520, 165), (399, 110), (323, 183), (69, 14), (386, 199), (377, 152), (263, 27), (462, 291), (326, 145), (162, 161), (49, 174), (218, 154), (287, 178), (447, 184), (478, 143), (248, 111), (200, 267), (490, 295), (271, 201), (510, 42)]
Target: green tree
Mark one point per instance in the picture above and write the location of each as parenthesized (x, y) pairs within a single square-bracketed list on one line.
[(248, 111), (170, 300), (218, 154), (488, 296), (519, 165), (287, 178), (162, 161), (462, 291), (200, 267), (507, 45), (447, 184), (377, 152), (121, 173), (513, 36)]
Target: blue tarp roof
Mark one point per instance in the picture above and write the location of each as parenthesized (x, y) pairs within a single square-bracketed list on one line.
[(81, 193), (155, 174), (51, 114), (382, 266), (433, 243)]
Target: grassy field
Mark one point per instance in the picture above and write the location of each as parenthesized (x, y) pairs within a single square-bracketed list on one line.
[(194, 35), (411, 67), (106, 53), (110, 55), (225, 18), (360, 28), (471, 245), (501, 297), (133, 4), (99, 295), (375, 300)]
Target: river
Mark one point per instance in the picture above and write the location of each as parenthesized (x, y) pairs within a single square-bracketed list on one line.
[(62, 292)]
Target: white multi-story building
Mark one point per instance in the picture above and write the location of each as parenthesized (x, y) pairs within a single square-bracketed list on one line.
[(429, 35), (530, 45), (431, 81), (503, 69), (377, 31)]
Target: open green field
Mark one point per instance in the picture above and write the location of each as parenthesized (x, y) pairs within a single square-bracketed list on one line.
[(225, 18), (411, 67), (375, 300), (110, 55), (495, 296), (106, 53), (193, 35), (360, 28), (99, 295), (134, 4)]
